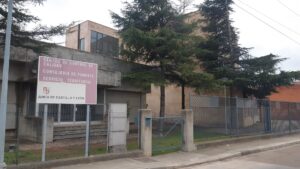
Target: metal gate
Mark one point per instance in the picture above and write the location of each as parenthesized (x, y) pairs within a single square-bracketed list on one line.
[(167, 134)]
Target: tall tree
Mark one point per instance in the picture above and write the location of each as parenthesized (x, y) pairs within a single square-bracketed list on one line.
[(22, 37), (261, 75), (225, 58), (154, 33), (223, 53), (183, 5)]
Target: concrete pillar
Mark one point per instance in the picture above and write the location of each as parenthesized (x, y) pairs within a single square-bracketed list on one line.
[(146, 132), (188, 130)]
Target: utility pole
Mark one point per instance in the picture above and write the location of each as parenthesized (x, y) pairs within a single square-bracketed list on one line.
[(3, 101)]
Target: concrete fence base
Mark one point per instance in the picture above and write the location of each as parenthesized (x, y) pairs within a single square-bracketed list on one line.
[(188, 131)]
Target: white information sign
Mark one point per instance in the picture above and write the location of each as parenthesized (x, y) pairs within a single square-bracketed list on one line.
[(62, 81)]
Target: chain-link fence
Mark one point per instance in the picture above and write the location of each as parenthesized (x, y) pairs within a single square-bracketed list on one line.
[(223, 116), (167, 134)]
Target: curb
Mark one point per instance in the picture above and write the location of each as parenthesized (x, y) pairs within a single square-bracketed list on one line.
[(241, 139), (75, 161), (138, 153), (268, 148), (241, 153)]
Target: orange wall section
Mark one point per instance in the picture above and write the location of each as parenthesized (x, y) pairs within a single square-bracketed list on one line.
[(288, 94)]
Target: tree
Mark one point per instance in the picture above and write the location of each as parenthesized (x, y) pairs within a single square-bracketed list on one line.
[(225, 58), (261, 76), (154, 33), (21, 18), (183, 5)]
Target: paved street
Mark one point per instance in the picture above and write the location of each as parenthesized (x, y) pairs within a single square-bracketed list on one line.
[(284, 158)]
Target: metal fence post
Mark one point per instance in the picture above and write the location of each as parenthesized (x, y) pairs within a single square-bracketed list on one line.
[(104, 104), (108, 130), (237, 115), (231, 115), (243, 112), (45, 119), (37, 107), (74, 113), (190, 101), (139, 131), (289, 116), (87, 132), (270, 117), (265, 115), (252, 109), (225, 112), (59, 114), (17, 134)]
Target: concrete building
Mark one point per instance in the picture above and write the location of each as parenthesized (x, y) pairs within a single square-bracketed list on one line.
[(23, 110), (93, 37)]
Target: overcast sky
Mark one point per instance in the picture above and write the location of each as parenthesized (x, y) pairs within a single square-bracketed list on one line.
[(282, 15)]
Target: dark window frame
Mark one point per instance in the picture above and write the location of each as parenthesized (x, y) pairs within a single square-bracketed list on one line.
[(104, 44)]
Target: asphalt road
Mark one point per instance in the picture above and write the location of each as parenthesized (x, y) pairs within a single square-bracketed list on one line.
[(285, 158)]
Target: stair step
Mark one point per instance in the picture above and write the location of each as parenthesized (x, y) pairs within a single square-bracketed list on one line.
[(72, 132), (78, 137)]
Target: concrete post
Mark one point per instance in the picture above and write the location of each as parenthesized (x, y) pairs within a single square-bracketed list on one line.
[(146, 132), (188, 130)]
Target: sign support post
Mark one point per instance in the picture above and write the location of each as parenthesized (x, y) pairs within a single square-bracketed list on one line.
[(3, 106), (62, 81), (87, 133), (44, 141)]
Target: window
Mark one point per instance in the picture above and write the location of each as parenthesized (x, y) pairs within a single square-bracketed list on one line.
[(104, 44), (82, 44)]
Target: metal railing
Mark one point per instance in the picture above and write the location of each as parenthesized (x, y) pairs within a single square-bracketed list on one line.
[(66, 140), (67, 112)]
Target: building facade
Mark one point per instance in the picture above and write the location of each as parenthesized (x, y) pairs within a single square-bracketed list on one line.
[(287, 93), (95, 38), (24, 115)]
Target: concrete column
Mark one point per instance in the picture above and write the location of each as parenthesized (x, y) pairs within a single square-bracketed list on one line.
[(188, 130), (146, 132)]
